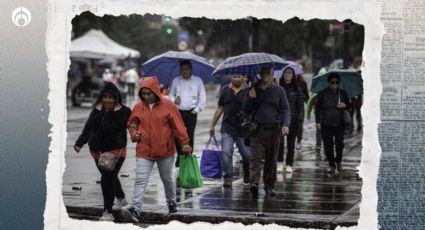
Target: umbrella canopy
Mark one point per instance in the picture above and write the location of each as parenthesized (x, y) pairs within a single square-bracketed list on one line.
[(295, 66), (95, 44), (351, 82), (249, 64), (167, 66)]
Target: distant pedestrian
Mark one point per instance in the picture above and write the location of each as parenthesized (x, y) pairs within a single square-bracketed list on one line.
[(330, 119), (230, 103), (105, 131), (188, 93), (311, 104), (154, 124), (355, 106), (268, 105), (304, 89), (131, 77), (296, 103)]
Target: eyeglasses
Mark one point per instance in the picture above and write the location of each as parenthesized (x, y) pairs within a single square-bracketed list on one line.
[(334, 82), (146, 93)]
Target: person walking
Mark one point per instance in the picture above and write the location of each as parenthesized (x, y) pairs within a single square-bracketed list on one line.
[(188, 93), (330, 119), (311, 104), (230, 103), (131, 78), (105, 131), (304, 89), (268, 105), (154, 124), (296, 104)]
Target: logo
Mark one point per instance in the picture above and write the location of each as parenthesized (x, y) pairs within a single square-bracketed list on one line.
[(21, 16)]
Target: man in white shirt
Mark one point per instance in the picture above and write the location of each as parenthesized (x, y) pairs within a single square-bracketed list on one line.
[(188, 93), (131, 77)]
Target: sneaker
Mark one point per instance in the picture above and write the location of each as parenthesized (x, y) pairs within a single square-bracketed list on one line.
[(339, 167), (279, 167), (121, 202), (318, 148), (130, 214), (107, 216), (172, 207), (227, 184), (331, 170), (298, 147), (254, 190), (288, 169), (270, 192)]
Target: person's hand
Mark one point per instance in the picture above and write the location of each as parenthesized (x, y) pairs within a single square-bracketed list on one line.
[(341, 105), (251, 93), (186, 149), (137, 137), (285, 131), (177, 100), (212, 131), (318, 125), (77, 148), (194, 112)]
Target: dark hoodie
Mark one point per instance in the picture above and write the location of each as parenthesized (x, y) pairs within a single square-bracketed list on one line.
[(106, 130)]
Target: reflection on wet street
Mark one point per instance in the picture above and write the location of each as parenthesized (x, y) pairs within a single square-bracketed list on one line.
[(309, 197)]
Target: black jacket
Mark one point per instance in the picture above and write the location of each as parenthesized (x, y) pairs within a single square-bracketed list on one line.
[(271, 106), (105, 131), (326, 111), (296, 102)]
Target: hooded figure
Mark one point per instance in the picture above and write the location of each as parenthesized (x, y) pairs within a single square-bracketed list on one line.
[(154, 124), (105, 131)]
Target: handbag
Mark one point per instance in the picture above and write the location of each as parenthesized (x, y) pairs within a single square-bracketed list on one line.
[(345, 114), (211, 160), (108, 160), (189, 174)]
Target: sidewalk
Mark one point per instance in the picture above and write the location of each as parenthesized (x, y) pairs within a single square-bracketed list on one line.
[(308, 198)]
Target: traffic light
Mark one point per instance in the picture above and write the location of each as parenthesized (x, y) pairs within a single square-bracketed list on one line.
[(168, 27)]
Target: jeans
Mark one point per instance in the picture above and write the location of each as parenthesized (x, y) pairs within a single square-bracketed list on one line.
[(110, 184), (227, 142), (143, 172)]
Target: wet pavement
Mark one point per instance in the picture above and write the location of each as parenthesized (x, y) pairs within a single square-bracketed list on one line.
[(309, 197)]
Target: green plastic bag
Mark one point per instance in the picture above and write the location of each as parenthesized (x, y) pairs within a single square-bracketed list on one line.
[(189, 173)]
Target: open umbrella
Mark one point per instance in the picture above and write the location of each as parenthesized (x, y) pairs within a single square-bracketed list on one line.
[(295, 66), (249, 64), (167, 66), (351, 82)]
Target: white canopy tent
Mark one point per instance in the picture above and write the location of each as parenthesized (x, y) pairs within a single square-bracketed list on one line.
[(96, 45)]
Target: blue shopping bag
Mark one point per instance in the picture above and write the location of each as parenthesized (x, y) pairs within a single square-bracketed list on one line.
[(211, 162)]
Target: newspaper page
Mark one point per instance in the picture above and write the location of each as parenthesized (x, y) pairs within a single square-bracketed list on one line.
[(401, 175)]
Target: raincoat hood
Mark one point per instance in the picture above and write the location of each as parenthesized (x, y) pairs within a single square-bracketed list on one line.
[(110, 88), (151, 83)]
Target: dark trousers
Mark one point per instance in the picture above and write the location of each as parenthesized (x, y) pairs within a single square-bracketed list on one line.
[(110, 184), (189, 120), (264, 149), (290, 142), (333, 137), (300, 130)]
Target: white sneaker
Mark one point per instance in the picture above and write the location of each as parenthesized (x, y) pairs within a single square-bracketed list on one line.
[(298, 146), (279, 167), (107, 216), (120, 203), (288, 169)]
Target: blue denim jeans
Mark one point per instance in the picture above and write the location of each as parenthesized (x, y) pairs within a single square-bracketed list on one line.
[(227, 142), (143, 172)]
